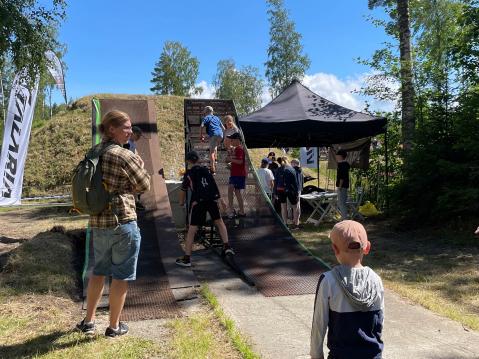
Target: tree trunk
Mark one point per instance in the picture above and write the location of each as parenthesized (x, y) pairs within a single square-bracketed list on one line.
[(407, 88)]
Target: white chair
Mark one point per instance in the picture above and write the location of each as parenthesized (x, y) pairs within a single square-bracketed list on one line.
[(354, 202)]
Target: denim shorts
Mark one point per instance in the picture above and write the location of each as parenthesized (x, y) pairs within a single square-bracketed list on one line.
[(116, 251)]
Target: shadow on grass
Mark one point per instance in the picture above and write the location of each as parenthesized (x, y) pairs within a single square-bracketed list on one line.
[(47, 263), (42, 344)]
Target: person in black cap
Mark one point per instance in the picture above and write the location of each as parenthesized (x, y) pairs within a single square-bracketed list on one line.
[(204, 198)]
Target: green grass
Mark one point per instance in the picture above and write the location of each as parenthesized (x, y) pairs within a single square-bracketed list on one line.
[(435, 268), (40, 265), (239, 342), (38, 307)]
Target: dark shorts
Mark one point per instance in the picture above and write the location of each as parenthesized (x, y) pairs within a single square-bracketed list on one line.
[(198, 212), (290, 196), (238, 182)]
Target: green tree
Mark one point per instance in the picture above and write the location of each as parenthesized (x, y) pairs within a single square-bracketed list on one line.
[(176, 71), (286, 60), (25, 34), (403, 31), (243, 86)]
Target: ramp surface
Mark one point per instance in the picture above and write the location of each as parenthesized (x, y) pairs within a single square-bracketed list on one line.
[(265, 249), (160, 283)]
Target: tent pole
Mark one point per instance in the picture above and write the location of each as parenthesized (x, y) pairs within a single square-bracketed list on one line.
[(317, 156)]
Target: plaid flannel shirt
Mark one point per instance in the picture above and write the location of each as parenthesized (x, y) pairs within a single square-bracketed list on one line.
[(123, 176)]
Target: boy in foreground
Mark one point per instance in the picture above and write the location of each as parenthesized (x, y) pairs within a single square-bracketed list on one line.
[(349, 300), (204, 198)]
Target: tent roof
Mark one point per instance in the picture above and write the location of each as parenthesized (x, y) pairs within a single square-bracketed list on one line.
[(298, 117)]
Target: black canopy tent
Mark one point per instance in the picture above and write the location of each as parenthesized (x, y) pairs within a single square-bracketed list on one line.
[(298, 117)]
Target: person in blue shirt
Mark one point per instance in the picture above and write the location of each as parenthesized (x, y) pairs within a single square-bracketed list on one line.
[(214, 130)]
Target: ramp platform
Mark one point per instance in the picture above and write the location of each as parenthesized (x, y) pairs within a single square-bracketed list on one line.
[(265, 249)]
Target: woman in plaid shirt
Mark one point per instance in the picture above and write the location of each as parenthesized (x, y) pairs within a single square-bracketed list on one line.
[(115, 231)]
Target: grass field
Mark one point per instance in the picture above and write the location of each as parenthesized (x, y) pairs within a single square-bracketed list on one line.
[(39, 302), (436, 269)]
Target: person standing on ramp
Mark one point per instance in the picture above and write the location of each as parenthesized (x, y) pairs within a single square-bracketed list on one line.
[(214, 129), (204, 198)]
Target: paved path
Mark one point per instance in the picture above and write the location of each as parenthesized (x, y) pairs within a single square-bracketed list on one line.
[(279, 327)]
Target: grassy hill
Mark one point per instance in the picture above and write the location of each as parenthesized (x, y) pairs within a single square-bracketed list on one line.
[(61, 143)]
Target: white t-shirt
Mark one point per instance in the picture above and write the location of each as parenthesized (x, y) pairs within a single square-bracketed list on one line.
[(265, 177)]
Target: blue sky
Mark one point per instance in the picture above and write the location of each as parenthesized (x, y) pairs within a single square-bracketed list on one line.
[(113, 45)]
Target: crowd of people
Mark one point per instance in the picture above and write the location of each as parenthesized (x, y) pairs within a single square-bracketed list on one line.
[(349, 299)]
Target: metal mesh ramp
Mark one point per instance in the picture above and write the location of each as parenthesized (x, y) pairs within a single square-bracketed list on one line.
[(265, 249)]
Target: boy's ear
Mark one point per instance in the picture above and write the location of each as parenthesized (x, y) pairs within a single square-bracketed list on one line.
[(368, 248), (335, 248)]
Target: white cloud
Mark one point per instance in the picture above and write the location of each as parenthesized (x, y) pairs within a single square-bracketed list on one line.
[(208, 90), (328, 86), (335, 90)]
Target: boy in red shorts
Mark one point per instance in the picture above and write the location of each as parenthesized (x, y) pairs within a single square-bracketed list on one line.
[(238, 174)]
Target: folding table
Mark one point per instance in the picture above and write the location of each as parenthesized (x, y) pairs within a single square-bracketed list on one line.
[(318, 200)]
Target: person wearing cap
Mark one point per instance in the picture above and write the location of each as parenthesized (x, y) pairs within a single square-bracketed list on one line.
[(349, 301), (214, 129), (266, 177), (342, 182), (204, 199), (237, 181)]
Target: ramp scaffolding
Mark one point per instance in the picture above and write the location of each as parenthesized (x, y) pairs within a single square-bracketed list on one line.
[(265, 249)]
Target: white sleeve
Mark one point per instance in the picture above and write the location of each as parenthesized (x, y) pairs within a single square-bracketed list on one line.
[(270, 174), (320, 320)]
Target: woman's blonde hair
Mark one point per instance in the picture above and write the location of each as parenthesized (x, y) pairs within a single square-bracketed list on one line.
[(113, 118), (230, 118)]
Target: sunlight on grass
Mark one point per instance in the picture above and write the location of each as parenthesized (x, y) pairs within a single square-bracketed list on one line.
[(240, 343), (41, 326), (438, 270), (192, 337)]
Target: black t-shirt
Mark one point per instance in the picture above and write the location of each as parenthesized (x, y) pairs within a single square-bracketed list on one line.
[(343, 174), (202, 184)]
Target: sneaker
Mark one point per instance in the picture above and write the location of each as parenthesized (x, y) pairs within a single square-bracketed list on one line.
[(183, 262), (112, 333), (295, 228), (86, 328)]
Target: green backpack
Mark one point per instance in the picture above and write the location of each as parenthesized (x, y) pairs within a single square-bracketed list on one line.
[(88, 192)]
